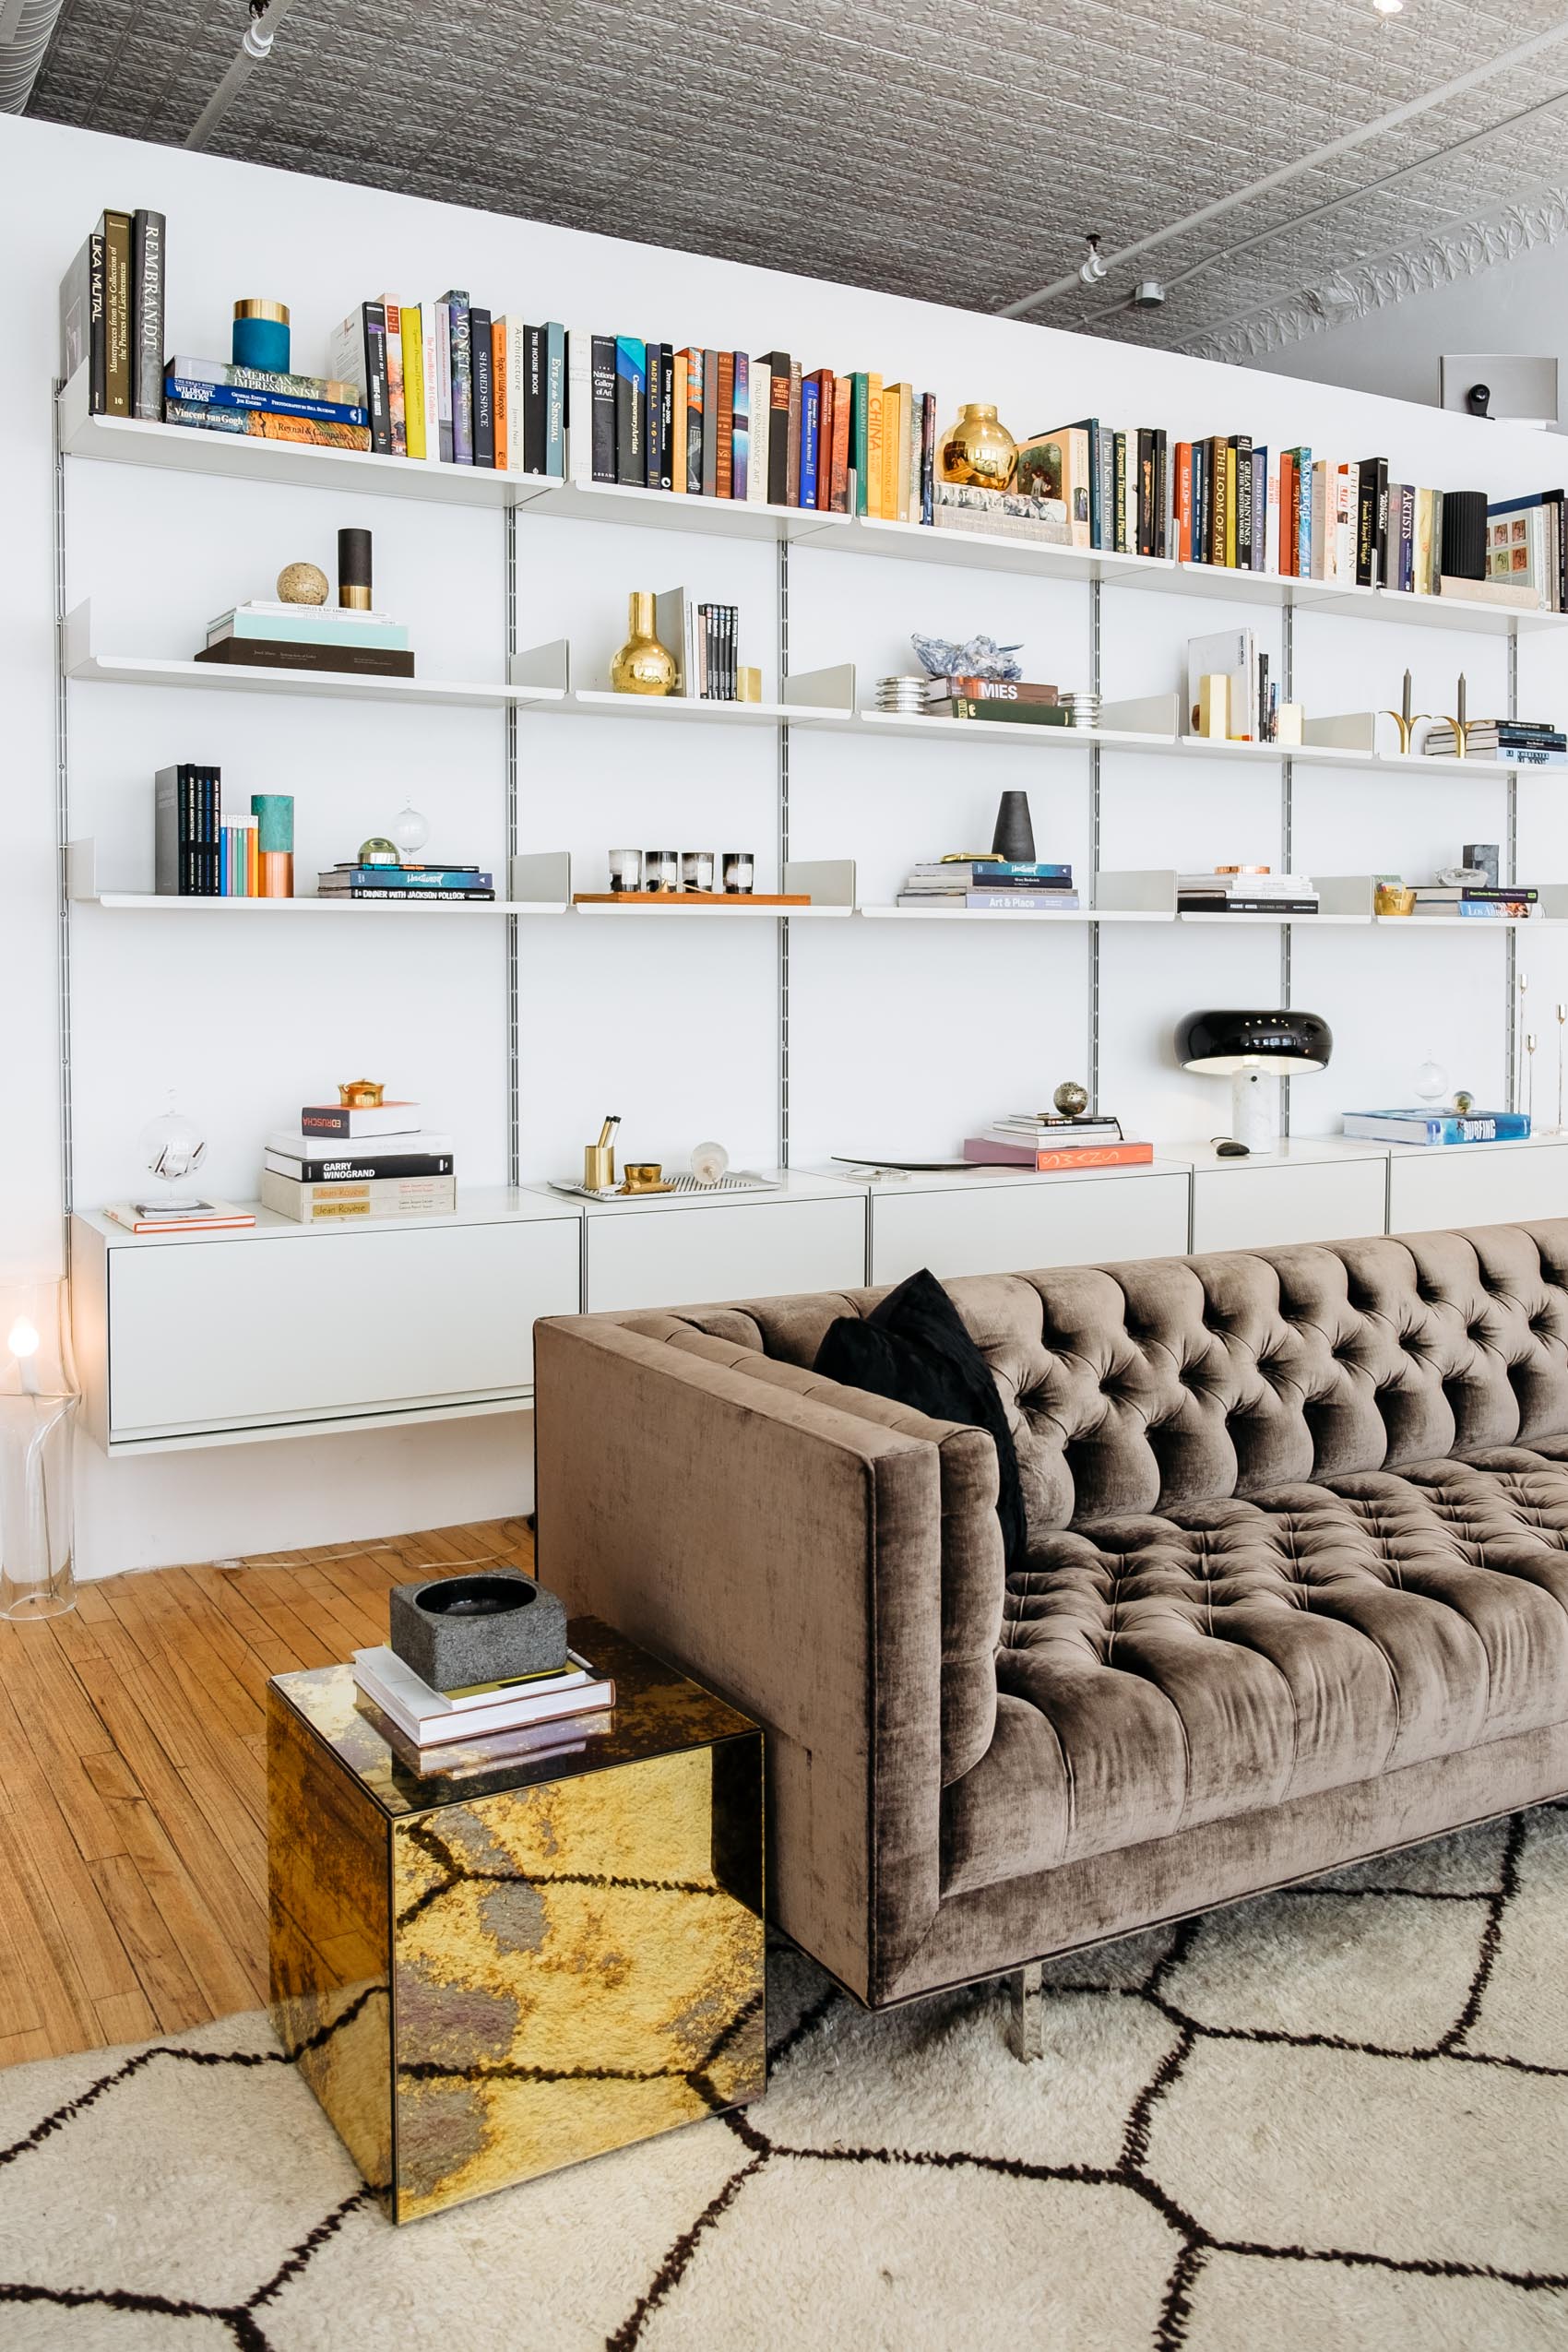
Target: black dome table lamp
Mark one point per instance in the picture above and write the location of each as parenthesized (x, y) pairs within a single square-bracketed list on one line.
[(1255, 1050)]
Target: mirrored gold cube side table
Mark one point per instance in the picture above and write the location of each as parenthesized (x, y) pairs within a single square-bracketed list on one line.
[(488, 1973)]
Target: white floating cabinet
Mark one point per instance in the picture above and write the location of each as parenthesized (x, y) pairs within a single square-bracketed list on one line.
[(1005, 1223), (1305, 1191), (672, 1251), (1459, 1184), (207, 1338)]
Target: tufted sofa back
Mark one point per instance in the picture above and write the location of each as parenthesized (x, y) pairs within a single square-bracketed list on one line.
[(1176, 1380)]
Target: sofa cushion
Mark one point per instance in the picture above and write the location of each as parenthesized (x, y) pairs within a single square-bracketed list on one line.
[(1156, 1672), (913, 1348)]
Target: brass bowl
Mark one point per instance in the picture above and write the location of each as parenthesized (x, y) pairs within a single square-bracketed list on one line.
[(642, 1176)]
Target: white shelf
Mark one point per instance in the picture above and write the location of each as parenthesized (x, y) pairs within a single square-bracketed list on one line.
[(82, 663), (980, 552), (721, 913), (1019, 922), (192, 449), (477, 1204), (149, 902), (598, 702)]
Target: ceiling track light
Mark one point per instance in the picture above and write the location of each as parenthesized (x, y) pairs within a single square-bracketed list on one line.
[(1388, 7), (1092, 270)]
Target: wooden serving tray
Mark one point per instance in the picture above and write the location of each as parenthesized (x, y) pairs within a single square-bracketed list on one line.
[(689, 899)]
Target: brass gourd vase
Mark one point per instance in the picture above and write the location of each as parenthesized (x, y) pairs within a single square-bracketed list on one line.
[(643, 665), (978, 450)]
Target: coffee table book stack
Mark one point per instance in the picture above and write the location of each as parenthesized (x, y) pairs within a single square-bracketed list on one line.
[(350, 1163)]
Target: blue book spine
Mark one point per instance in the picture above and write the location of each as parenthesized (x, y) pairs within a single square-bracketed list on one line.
[(274, 404), (1021, 902), (555, 399), (413, 877), (741, 428), (811, 400)]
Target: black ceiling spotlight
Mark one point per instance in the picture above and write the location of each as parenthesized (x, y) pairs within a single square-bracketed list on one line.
[(1253, 1049)]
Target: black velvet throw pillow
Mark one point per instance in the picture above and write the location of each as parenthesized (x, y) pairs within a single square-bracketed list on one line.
[(913, 1349)]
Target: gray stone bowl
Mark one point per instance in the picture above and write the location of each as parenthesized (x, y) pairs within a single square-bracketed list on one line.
[(459, 1630)]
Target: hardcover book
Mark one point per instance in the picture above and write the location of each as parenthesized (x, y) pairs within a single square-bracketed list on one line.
[(482, 361), (602, 389), (149, 235), (631, 411), (777, 365), (118, 231), (396, 415), (261, 426), (461, 333)]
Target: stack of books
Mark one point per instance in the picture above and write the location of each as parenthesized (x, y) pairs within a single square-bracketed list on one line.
[(1524, 742), (196, 1217), (1425, 1125), (1012, 702), (1527, 548), (1235, 890), (705, 640), (263, 636), (723, 424), (1112, 490), (112, 314), (430, 882), (347, 1166), (1506, 902), (199, 850), (430, 1719), (449, 384), (1001, 514), (1045, 1140), (994, 885), (217, 396)]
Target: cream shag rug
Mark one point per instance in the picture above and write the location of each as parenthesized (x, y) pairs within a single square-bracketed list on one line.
[(1329, 2120)]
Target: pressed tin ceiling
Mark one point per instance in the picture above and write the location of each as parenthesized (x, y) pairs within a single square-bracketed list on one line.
[(955, 151)]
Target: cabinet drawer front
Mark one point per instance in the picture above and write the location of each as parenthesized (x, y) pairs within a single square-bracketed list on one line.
[(1016, 1227), (229, 1336), (1261, 1208), (678, 1257), (1478, 1184)]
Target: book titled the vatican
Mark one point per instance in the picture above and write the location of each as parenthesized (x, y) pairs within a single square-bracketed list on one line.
[(1438, 1126)]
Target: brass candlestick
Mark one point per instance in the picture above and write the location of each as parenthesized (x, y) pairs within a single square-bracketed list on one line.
[(1405, 718), (1460, 725)]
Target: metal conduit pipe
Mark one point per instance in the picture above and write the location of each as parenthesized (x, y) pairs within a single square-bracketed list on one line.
[(26, 29), (254, 49)]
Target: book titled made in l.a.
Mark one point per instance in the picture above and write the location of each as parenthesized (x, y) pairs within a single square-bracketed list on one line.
[(1437, 1126)]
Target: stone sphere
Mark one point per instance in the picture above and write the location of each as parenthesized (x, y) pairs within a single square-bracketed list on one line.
[(1071, 1099), (302, 584)]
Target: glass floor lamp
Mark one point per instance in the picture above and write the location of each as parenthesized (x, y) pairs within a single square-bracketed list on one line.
[(38, 1403)]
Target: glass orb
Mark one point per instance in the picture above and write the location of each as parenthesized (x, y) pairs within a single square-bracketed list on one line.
[(1430, 1082), (411, 829), (378, 852), (173, 1147), (709, 1162)]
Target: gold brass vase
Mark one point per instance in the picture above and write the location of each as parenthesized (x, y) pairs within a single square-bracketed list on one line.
[(643, 665), (978, 449)]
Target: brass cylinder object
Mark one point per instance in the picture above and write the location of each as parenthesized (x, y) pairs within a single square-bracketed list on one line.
[(643, 665), (978, 449)]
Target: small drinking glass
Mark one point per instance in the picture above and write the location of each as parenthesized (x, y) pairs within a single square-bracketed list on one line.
[(661, 870), (626, 870), (696, 870), (740, 870)]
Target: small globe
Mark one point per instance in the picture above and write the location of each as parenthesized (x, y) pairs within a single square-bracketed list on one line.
[(1071, 1099), (410, 828), (302, 584), (379, 851), (172, 1146), (1464, 1101)]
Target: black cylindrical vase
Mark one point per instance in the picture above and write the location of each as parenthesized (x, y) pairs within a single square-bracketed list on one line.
[(353, 569), (1464, 534), (1014, 837)]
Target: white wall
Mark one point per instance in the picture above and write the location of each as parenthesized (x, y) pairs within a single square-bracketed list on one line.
[(902, 1036), (1516, 306)]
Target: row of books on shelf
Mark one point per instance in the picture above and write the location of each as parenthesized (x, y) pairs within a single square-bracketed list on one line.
[(1522, 743)]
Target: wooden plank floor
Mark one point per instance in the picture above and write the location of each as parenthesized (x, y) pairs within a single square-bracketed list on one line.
[(133, 1844)]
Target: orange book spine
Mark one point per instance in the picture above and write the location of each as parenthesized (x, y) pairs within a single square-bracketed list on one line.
[(893, 401), (498, 391), (1184, 500), (1096, 1155), (726, 476), (252, 861)]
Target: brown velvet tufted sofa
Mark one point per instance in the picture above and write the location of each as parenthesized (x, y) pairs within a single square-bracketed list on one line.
[(1296, 1589)]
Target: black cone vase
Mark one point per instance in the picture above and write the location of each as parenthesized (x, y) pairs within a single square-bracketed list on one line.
[(1014, 837)]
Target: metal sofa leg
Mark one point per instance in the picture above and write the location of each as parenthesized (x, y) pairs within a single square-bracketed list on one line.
[(1025, 2024)]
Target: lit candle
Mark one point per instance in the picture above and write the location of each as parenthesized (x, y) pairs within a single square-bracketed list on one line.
[(23, 1342)]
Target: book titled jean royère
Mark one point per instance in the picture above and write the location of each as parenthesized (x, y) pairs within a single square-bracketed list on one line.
[(1438, 1126)]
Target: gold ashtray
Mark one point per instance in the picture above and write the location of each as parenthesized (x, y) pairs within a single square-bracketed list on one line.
[(361, 1094), (1394, 899), (644, 1176)]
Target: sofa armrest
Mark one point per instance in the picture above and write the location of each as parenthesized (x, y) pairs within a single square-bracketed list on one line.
[(788, 1553)]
